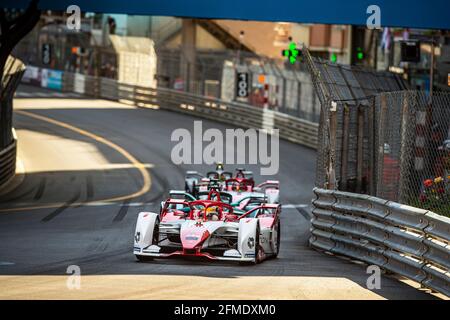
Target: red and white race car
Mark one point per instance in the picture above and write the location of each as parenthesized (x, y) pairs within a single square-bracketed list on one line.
[(208, 228), (241, 188)]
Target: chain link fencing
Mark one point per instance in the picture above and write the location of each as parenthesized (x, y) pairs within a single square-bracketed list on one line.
[(414, 149), (346, 158), (376, 137), (271, 83)]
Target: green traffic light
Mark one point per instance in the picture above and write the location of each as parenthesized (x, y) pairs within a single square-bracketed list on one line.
[(359, 54), (291, 53), (333, 58)]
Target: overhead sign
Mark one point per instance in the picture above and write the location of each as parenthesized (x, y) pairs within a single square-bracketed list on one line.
[(242, 85), (400, 13)]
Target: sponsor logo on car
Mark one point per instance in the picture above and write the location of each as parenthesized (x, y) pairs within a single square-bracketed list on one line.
[(251, 242)]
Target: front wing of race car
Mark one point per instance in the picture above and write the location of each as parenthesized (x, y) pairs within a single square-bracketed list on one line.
[(229, 255)]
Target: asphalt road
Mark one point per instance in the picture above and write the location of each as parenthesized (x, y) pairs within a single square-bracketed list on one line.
[(57, 212)]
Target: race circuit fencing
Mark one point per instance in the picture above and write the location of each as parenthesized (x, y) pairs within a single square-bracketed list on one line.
[(408, 241), (238, 114), (413, 142), (377, 138), (13, 72), (346, 131), (280, 86)]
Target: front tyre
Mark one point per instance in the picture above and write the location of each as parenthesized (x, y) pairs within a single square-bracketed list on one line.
[(155, 240), (278, 240), (259, 252)]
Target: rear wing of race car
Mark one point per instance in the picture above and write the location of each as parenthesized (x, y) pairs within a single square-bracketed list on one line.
[(269, 184), (179, 194), (242, 173), (254, 198), (193, 174), (222, 196), (248, 174)]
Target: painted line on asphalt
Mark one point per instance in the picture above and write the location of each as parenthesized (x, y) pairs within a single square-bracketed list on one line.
[(94, 204), (294, 206), (147, 182)]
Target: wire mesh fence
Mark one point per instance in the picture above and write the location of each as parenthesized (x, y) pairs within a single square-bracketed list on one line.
[(271, 83), (414, 156), (379, 138), (346, 158)]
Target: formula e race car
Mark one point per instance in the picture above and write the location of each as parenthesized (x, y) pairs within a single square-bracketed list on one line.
[(193, 178), (208, 228), (195, 181), (241, 188), (201, 195)]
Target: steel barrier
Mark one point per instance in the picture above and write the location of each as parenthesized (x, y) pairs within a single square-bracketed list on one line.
[(7, 163), (408, 241), (238, 114)]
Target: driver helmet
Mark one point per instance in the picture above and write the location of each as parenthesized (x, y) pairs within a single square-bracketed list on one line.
[(212, 213)]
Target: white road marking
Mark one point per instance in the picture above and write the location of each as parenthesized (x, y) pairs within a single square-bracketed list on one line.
[(294, 206), (102, 204), (6, 263), (46, 95)]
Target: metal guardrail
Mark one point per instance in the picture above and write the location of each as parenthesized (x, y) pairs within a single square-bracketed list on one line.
[(408, 241), (238, 114), (7, 163), (9, 80)]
